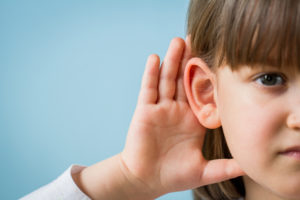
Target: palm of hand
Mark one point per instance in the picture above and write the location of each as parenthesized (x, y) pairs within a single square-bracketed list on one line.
[(166, 139)]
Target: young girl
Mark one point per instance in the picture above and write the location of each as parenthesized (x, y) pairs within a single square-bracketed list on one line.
[(220, 116)]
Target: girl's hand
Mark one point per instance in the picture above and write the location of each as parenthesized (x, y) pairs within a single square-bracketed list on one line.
[(163, 148)]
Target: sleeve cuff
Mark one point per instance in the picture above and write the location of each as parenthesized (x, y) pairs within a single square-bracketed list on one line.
[(63, 187)]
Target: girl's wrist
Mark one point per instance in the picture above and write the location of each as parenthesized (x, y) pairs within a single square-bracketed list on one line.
[(110, 179)]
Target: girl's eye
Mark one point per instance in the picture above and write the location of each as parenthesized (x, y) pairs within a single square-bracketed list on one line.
[(271, 79)]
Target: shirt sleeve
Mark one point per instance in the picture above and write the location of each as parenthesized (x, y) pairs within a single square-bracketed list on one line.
[(62, 188)]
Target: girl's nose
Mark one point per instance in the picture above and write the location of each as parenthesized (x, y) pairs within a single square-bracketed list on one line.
[(293, 121)]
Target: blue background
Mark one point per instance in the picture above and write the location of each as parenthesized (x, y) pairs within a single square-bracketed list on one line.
[(70, 73)]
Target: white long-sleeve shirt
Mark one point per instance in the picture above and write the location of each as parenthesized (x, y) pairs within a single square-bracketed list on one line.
[(62, 188)]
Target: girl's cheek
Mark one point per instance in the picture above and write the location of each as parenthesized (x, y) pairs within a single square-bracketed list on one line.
[(249, 120)]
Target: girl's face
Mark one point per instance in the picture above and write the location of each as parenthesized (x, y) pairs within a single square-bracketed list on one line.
[(260, 114)]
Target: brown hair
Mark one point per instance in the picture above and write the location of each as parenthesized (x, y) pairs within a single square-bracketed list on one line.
[(245, 32)]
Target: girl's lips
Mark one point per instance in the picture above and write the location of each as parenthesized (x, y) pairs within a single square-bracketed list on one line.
[(293, 152)]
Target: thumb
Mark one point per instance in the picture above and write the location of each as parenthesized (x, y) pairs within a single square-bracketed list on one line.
[(220, 170)]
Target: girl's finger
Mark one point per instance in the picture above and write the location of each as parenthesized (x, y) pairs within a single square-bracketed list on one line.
[(169, 69), (180, 92), (221, 170), (149, 86)]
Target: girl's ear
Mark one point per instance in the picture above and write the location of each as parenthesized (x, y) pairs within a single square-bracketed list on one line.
[(200, 87)]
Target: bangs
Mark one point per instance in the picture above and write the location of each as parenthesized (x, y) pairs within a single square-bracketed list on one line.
[(260, 33)]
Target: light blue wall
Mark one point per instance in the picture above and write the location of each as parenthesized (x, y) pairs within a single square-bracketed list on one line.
[(70, 72)]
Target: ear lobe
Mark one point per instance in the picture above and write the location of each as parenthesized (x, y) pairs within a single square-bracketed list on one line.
[(199, 84)]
